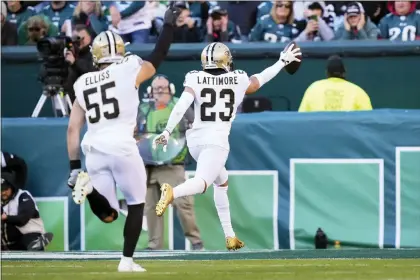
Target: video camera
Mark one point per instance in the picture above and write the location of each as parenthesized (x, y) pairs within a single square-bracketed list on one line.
[(54, 69)]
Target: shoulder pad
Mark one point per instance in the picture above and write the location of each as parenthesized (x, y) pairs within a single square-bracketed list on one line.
[(188, 82), (239, 72)]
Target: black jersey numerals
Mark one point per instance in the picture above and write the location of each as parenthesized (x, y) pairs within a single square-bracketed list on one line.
[(94, 109), (211, 94)]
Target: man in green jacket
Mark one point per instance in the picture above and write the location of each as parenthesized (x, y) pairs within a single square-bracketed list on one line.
[(152, 119)]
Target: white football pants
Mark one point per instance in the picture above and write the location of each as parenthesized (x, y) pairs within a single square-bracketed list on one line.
[(211, 160), (128, 172)]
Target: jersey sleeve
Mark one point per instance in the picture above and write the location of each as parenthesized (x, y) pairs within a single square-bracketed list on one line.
[(190, 79), (133, 62), (243, 78)]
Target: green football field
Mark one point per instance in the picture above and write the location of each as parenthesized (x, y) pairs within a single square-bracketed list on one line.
[(376, 265)]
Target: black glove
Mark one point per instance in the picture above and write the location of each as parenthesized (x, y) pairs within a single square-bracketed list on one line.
[(171, 14)]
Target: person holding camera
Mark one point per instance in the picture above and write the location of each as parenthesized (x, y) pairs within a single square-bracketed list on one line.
[(186, 29), (356, 25), (152, 118), (22, 227), (316, 29), (79, 58), (220, 28)]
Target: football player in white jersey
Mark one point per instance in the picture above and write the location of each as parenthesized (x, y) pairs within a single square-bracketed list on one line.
[(216, 92), (108, 101)]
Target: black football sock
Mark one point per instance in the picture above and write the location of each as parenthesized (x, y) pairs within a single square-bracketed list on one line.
[(100, 206), (132, 228)]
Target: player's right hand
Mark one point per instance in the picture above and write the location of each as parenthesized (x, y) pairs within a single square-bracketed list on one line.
[(289, 55), (71, 181), (161, 139), (171, 14)]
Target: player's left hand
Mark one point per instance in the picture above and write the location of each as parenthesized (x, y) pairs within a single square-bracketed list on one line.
[(289, 55), (161, 139), (71, 181)]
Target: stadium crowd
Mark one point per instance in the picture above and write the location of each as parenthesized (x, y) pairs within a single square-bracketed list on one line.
[(24, 23)]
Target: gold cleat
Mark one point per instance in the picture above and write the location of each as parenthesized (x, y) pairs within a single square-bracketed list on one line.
[(233, 243), (166, 198)]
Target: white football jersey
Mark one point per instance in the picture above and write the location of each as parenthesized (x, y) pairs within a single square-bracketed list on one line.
[(217, 98), (110, 99)]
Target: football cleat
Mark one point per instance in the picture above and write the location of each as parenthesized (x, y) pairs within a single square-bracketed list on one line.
[(82, 188), (233, 243), (166, 198), (128, 265)]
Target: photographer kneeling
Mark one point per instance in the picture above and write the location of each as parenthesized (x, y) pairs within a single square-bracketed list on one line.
[(22, 228), (79, 58)]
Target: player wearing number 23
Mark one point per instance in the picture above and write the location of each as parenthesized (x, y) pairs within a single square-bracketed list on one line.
[(402, 23), (216, 92)]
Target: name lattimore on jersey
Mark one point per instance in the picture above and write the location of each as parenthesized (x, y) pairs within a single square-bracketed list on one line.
[(90, 80), (217, 81)]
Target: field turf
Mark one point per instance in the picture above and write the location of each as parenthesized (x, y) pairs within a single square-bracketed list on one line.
[(226, 268)]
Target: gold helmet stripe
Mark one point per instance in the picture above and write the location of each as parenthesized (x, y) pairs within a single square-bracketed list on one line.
[(111, 42)]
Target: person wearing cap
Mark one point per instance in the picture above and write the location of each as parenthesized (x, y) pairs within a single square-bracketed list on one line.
[(356, 25), (186, 29), (8, 29), (22, 227), (220, 28), (335, 93), (402, 23)]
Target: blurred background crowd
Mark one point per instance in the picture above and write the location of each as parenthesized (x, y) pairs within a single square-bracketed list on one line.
[(24, 23)]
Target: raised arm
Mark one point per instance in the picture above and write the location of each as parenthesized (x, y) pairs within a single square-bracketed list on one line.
[(151, 63), (286, 56)]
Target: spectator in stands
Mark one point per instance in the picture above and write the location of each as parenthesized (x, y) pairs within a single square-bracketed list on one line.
[(18, 13), (375, 10), (278, 26), (243, 14), (334, 93), (186, 30), (316, 28), (79, 59), (199, 11), (90, 14), (58, 12), (322, 12), (8, 30), (220, 28), (131, 21), (34, 29), (356, 25), (402, 23)]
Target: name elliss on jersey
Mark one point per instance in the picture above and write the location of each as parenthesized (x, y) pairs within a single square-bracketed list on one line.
[(90, 80), (217, 81)]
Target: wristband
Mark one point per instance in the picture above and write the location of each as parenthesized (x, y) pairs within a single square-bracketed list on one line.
[(75, 164)]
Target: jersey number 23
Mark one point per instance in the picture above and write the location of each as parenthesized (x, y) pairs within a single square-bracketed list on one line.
[(225, 94)]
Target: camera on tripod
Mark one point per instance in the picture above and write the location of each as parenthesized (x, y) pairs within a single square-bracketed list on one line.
[(54, 71)]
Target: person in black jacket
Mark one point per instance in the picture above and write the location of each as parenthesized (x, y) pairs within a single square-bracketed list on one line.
[(16, 166), (80, 59), (22, 228), (8, 30), (186, 29)]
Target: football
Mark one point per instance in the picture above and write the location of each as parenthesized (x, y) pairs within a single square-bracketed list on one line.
[(294, 66)]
